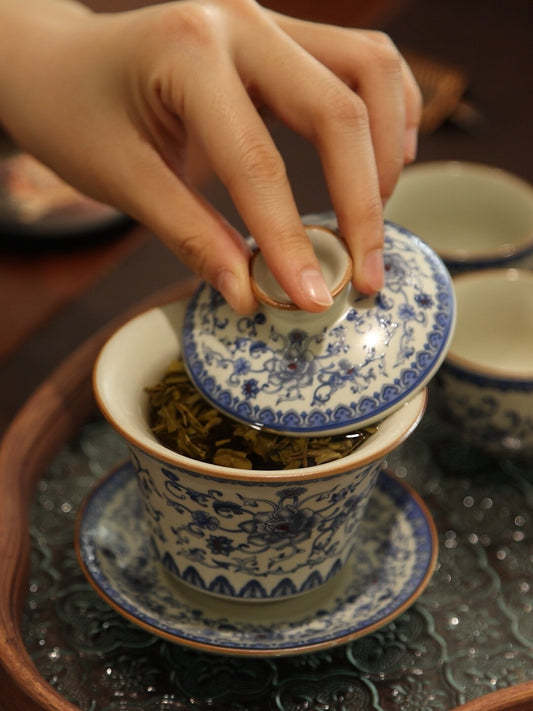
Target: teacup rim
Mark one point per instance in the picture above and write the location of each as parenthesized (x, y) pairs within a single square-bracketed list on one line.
[(413, 409), (476, 368), (489, 258)]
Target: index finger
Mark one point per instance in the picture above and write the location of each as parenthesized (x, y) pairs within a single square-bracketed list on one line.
[(318, 105), (223, 118)]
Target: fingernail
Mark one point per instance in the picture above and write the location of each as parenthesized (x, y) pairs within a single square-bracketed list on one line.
[(373, 271), (228, 285), (411, 144), (315, 287)]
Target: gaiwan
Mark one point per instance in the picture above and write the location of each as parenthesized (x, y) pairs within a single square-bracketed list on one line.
[(269, 534)]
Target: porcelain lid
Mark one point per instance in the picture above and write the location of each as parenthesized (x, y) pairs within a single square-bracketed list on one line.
[(298, 373)]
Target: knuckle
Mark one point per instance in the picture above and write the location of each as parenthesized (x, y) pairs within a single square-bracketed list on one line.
[(191, 250), (340, 105), (386, 54), (372, 211), (185, 24), (242, 8), (261, 162), (369, 211), (295, 248), (380, 37)]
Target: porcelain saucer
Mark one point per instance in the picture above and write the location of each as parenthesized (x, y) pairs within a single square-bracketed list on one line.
[(390, 567)]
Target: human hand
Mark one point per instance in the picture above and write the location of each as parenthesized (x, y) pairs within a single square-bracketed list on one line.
[(122, 106)]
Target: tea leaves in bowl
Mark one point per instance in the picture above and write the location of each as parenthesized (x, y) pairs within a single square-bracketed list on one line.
[(185, 422)]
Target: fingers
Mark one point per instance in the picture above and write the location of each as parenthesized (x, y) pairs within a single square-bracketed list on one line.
[(354, 100), (394, 104), (245, 158), (219, 117), (362, 116), (349, 93), (319, 106), (222, 119), (188, 225), (369, 63)]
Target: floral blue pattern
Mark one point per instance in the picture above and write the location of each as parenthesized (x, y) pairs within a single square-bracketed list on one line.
[(305, 377), (493, 413), (386, 573), (254, 541)]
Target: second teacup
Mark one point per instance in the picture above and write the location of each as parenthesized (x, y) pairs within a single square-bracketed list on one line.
[(474, 216), (486, 381)]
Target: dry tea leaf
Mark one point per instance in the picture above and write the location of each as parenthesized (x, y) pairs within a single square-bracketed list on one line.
[(183, 421)]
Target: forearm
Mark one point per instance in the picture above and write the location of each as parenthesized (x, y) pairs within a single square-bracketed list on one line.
[(32, 35)]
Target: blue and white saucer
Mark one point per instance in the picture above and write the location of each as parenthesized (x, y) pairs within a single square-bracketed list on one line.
[(387, 572)]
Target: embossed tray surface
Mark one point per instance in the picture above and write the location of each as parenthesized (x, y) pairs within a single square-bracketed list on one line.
[(467, 640)]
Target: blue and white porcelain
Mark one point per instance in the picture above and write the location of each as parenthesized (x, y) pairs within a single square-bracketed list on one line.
[(388, 571), (242, 535), (486, 382), (475, 216), (307, 374)]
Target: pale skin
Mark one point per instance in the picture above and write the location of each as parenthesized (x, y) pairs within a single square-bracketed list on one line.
[(128, 106)]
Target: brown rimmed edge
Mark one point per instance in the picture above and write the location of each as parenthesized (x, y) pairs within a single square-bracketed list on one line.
[(50, 417)]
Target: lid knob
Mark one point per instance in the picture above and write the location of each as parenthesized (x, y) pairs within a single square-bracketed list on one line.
[(334, 260)]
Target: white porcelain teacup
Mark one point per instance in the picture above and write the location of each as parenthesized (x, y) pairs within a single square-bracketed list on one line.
[(474, 216), (247, 535), (486, 381), (270, 533)]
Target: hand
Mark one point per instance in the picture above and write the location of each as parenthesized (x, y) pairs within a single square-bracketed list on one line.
[(123, 105)]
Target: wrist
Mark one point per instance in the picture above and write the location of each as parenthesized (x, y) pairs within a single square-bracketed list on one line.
[(42, 26)]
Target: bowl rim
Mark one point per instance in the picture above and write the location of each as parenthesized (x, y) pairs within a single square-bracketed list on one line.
[(507, 251), (468, 365), (413, 409)]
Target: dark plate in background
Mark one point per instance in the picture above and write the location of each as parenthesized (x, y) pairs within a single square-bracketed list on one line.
[(37, 208)]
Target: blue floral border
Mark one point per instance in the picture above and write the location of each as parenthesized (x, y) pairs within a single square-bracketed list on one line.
[(322, 418)]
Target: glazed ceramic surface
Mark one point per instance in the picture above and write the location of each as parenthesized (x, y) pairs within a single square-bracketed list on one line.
[(388, 570), (256, 535), (474, 216), (248, 540), (308, 374), (487, 378)]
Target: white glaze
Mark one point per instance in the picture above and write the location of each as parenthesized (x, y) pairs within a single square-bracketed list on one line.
[(193, 505), (487, 378), (472, 214), (308, 374)]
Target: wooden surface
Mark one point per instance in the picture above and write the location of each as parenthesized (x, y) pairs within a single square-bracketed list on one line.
[(518, 698), (51, 416), (37, 283)]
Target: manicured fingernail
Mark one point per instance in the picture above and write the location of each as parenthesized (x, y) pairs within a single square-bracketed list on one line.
[(315, 287), (373, 271), (228, 285), (411, 144)]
